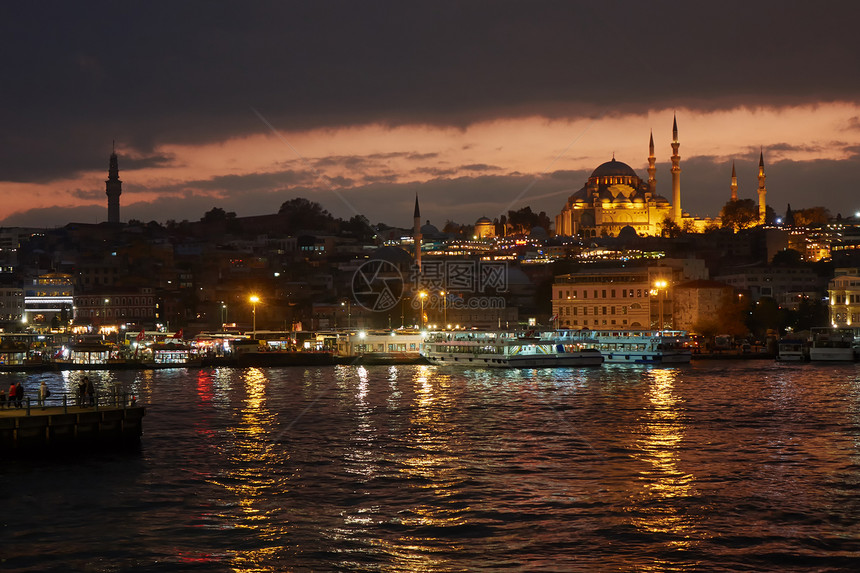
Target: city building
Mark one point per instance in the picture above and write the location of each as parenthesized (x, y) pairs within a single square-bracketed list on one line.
[(116, 307), (623, 298), (697, 300), (49, 297), (773, 281), (843, 292), (484, 228)]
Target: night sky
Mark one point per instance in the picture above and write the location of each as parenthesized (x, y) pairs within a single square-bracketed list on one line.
[(479, 107)]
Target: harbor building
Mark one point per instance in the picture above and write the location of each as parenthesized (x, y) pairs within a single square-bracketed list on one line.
[(843, 292)]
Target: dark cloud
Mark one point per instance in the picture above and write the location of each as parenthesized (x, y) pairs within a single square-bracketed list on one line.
[(479, 167), (704, 187), (434, 171), (853, 124), (77, 76)]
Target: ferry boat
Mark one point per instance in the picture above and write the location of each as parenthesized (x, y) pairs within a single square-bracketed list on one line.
[(832, 344), (502, 349), (641, 346), (792, 350)]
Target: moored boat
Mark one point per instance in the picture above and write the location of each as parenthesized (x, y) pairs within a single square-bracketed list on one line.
[(502, 349), (641, 346), (832, 344), (792, 350)]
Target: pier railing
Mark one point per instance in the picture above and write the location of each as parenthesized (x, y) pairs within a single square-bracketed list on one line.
[(68, 401)]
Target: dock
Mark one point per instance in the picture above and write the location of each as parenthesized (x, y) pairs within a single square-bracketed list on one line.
[(24, 429)]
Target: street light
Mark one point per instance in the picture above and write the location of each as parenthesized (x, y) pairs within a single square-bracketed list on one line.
[(661, 285), (444, 307), (348, 313), (254, 300), (223, 314), (422, 295)]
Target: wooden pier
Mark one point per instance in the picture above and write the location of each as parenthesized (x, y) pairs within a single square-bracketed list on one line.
[(70, 427)]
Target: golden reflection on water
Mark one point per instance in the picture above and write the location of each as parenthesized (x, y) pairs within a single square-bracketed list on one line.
[(435, 467), (250, 481), (655, 507)]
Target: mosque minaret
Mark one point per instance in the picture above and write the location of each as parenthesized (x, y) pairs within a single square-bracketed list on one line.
[(676, 174), (762, 190)]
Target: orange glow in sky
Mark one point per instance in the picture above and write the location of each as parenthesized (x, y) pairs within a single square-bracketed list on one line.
[(419, 153)]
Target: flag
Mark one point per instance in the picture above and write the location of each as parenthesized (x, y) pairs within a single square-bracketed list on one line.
[(140, 335), (178, 334), (553, 318)]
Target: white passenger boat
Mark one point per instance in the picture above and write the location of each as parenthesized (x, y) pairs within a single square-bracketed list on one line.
[(501, 349), (641, 346), (792, 350), (832, 344)]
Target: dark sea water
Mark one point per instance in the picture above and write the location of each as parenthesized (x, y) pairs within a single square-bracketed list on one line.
[(714, 466)]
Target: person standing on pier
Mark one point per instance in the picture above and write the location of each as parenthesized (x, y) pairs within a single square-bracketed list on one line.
[(43, 394), (91, 391), (82, 390), (19, 394), (2, 399), (12, 395)]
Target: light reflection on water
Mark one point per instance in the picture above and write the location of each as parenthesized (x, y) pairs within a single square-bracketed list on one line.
[(722, 466), (655, 509)]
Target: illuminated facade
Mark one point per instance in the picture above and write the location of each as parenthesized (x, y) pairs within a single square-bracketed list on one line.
[(844, 294), (615, 197), (484, 228), (615, 298), (50, 295)]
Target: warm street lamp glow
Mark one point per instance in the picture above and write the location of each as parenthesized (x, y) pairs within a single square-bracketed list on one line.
[(422, 295), (254, 300), (444, 306), (659, 289)]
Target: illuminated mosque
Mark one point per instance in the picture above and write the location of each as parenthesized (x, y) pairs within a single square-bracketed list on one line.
[(614, 197)]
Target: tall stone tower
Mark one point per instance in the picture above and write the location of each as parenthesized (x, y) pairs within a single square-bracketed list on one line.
[(762, 190), (652, 167), (676, 174), (417, 232), (113, 188), (734, 186)]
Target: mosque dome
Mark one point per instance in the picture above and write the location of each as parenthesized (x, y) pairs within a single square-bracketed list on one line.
[(394, 255), (612, 169), (483, 221), (429, 230)]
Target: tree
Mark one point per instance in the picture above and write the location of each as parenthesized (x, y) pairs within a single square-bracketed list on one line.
[(669, 228), (524, 220), (740, 214), (359, 227), (299, 213), (217, 215), (729, 318), (688, 227), (767, 315), (811, 216), (787, 257)]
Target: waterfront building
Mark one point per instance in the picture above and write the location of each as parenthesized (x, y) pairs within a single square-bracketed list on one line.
[(622, 298), (773, 281), (843, 292), (116, 307), (698, 300), (11, 304), (50, 296)]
